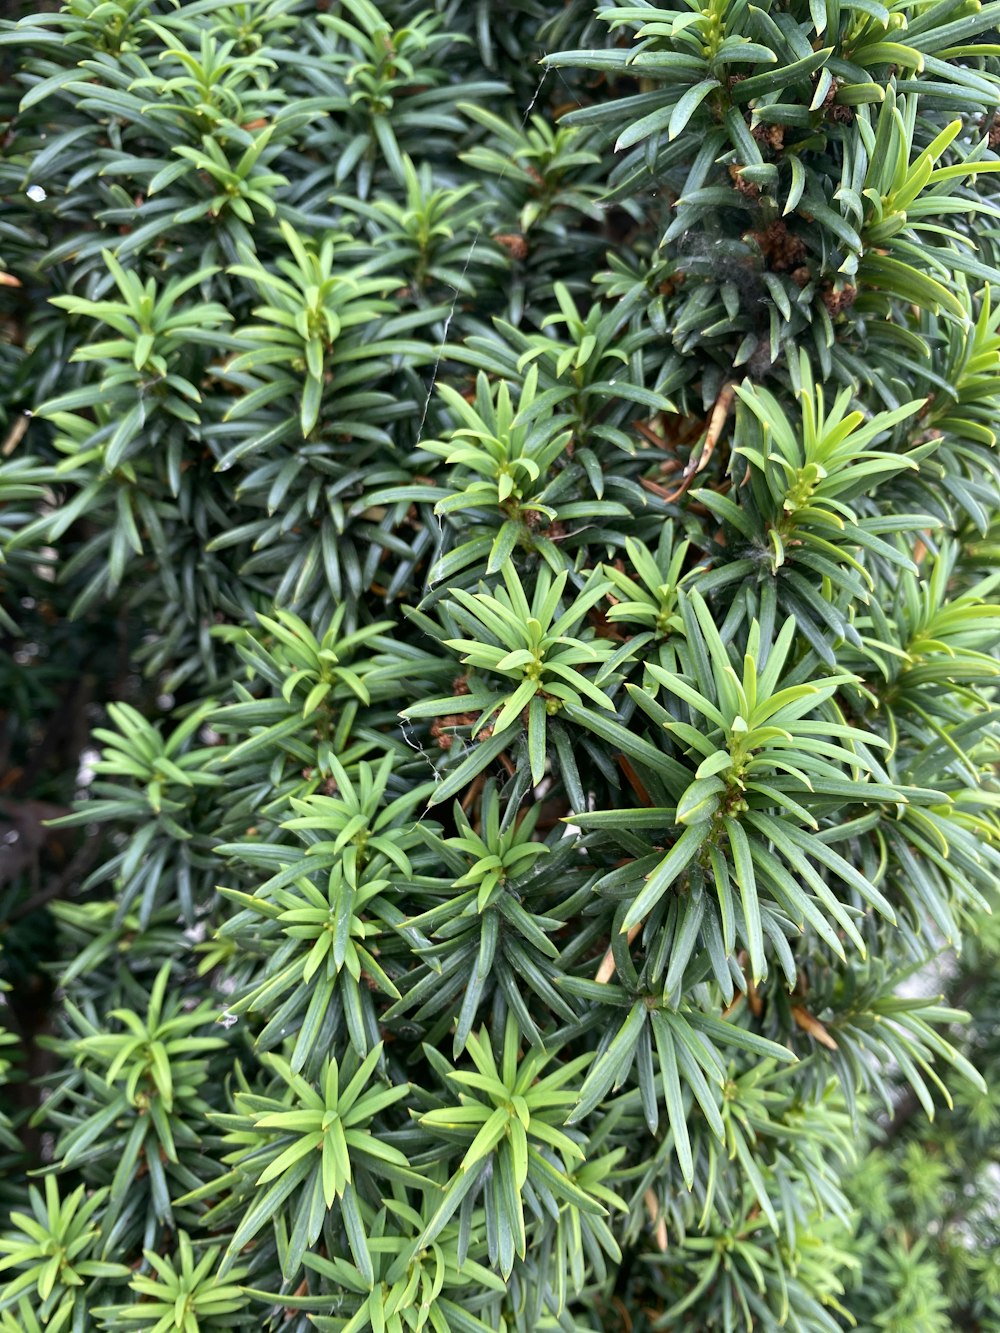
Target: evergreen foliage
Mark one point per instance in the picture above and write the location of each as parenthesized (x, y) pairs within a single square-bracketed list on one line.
[(499, 509)]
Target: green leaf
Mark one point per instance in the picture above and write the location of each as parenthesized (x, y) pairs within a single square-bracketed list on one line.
[(681, 854), (747, 882)]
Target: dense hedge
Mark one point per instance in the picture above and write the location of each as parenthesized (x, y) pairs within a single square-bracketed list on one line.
[(498, 681)]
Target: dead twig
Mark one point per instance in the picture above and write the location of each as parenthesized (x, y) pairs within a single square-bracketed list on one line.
[(607, 968), (808, 1023), (16, 433), (657, 1219), (699, 461)]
